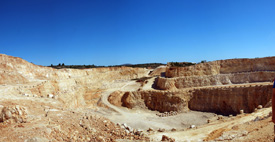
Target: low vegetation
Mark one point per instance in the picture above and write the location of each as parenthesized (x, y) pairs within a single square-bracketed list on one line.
[(180, 64), (146, 65)]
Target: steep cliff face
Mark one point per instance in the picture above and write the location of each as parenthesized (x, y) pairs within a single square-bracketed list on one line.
[(220, 100), (154, 100), (231, 100), (210, 68), (247, 65), (115, 98), (222, 72), (211, 80), (223, 67)]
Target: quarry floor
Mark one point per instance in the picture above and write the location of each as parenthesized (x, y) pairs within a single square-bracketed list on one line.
[(50, 121), (208, 126)]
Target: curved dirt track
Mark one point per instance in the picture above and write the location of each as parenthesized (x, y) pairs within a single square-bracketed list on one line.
[(105, 95), (144, 119)]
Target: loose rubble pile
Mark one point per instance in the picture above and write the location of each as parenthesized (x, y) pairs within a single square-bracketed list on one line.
[(11, 114), (230, 135), (130, 130), (166, 114), (51, 96), (103, 130)]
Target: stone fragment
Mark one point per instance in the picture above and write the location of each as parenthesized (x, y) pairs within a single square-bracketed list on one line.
[(241, 111), (150, 130), (193, 126), (161, 130), (260, 107), (167, 139), (101, 139), (26, 95), (173, 129), (220, 117), (138, 132), (50, 95)]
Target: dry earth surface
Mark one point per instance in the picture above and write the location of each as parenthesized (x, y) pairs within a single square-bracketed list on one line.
[(227, 100)]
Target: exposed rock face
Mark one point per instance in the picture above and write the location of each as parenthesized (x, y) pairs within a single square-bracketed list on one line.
[(115, 98), (231, 100), (154, 100), (211, 68), (240, 92), (211, 80), (15, 114), (14, 66), (223, 72), (221, 100), (224, 67), (70, 85)]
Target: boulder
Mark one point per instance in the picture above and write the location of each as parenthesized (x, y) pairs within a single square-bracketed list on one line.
[(15, 114), (260, 107), (167, 139)]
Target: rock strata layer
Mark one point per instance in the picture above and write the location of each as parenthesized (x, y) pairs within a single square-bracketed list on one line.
[(222, 100)]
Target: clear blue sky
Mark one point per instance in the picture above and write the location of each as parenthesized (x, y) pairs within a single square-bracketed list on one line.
[(109, 32)]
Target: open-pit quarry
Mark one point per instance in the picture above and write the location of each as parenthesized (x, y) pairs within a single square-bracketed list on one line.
[(225, 100)]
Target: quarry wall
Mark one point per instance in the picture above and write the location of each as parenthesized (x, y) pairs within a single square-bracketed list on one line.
[(70, 85), (231, 100), (161, 101), (220, 100), (211, 80), (24, 72), (223, 67)]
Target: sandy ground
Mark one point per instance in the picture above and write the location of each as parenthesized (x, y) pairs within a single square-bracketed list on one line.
[(213, 130), (149, 84)]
